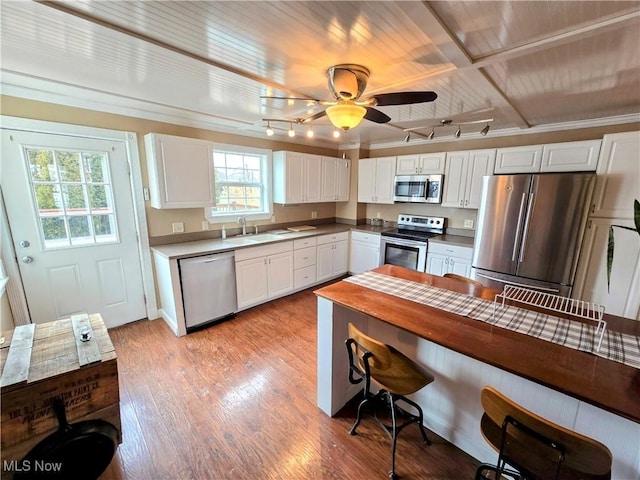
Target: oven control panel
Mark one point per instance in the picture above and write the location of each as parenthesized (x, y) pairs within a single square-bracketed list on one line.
[(421, 221)]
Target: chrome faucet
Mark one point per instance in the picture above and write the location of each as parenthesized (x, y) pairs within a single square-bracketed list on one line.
[(243, 221)]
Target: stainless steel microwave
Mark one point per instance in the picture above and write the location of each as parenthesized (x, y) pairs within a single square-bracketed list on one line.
[(418, 188)]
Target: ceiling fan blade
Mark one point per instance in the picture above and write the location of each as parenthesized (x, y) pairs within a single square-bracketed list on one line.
[(403, 98), (292, 98), (315, 116), (376, 116)]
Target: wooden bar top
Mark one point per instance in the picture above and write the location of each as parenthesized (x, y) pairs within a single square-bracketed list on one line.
[(607, 384)]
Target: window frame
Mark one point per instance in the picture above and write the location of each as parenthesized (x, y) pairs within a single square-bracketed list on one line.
[(267, 195)]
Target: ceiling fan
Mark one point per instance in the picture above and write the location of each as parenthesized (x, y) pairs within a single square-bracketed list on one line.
[(347, 83)]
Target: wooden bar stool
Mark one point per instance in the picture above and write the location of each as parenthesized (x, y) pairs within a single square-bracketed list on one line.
[(536, 448), (455, 276), (398, 376)]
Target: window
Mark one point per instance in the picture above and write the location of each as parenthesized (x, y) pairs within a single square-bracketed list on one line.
[(242, 179), (73, 195)]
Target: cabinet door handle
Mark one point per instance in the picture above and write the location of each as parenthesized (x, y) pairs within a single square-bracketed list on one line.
[(446, 261)]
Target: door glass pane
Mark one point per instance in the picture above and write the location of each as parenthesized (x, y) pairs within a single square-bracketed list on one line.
[(49, 199), (69, 166), (74, 200), (80, 230), (73, 196), (96, 168), (42, 166)]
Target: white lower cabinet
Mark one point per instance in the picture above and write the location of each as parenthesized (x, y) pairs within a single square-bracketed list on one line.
[(444, 258), (263, 273), (332, 255), (304, 263), (364, 251)]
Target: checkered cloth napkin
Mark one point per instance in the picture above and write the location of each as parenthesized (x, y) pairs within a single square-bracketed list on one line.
[(615, 346)]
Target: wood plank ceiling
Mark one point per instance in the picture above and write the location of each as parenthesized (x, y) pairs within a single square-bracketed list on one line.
[(528, 65)]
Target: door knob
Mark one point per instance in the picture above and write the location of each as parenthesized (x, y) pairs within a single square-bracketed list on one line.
[(27, 259), (24, 243)]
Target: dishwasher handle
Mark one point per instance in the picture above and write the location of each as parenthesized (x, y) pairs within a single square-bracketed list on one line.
[(215, 257)]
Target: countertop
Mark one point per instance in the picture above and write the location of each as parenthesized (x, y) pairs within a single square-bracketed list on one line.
[(607, 384), (207, 247), (217, 245)]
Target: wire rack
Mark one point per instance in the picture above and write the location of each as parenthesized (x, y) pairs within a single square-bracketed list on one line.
[(578, 309)]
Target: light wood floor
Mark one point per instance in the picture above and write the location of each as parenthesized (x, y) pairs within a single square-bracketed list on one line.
[(237, 400)]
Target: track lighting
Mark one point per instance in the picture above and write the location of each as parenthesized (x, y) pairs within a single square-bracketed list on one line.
[(449, 123), (291, 132), (310, 133), (408, 137), (269, 130)]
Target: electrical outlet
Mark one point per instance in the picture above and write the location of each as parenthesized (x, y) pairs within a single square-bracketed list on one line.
[(178, 227), (378, 215), (205, 225), (145, 192), (314, 215), (468, 223), (273, 219)]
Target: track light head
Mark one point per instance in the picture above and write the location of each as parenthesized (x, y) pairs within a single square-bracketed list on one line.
[(408, 137), (310, 133), (291, 132), (336, 133), (269, 130), (485, 130), (458, 132), (431, 134)]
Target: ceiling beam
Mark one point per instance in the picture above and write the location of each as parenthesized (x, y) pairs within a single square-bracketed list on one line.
[(428, 21)]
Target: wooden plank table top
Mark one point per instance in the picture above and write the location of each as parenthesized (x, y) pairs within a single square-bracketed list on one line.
[(607, 384)]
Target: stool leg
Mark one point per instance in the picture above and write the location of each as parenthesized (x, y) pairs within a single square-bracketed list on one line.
[(394, 437), (358, 416), (420, 419)]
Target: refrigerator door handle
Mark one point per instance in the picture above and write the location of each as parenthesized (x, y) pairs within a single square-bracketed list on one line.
[(488, 277), (518, 227), (527, 222)]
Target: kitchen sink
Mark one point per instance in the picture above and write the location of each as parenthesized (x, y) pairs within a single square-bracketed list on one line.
[(252, 238)]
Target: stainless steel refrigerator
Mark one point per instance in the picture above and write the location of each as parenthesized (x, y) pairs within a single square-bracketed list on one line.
[(530, 229)]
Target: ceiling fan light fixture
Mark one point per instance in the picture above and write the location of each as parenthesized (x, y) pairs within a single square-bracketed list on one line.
[(291, 132), (485, 130), (346, 116)]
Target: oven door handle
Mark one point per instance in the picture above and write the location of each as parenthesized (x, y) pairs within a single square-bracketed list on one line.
[(404, 243)]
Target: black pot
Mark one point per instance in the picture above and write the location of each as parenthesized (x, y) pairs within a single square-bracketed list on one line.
[(81, 450)]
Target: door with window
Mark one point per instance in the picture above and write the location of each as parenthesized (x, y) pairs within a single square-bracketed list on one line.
[(70, 211)]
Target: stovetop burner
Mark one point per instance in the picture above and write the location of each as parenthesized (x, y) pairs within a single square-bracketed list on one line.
[(417, 227)]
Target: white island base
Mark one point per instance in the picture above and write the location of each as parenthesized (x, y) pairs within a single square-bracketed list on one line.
[(451, 403)]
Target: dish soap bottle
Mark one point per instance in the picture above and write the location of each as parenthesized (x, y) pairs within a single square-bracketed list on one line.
[(224, 233)]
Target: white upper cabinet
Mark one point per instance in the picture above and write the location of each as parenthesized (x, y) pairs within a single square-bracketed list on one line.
[(525, 159), (552, 157), (180, 170), (296, 177), (307, 178), (375, 179), (422, 164), (336, 179), (571, 156), (463, 177), (617, 176)]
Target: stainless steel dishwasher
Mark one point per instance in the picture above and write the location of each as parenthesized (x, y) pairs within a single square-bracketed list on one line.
[(208, 287)]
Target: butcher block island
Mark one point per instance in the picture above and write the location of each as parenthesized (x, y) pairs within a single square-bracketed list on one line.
[(426, 317), (44, 362)]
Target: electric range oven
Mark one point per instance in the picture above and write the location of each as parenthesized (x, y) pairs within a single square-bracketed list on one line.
[(406, 246)]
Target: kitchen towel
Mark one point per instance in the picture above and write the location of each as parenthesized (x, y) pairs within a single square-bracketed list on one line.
[(581, 336)]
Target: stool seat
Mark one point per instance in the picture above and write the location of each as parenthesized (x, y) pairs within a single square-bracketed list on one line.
[(397, 375), (535, 447)]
